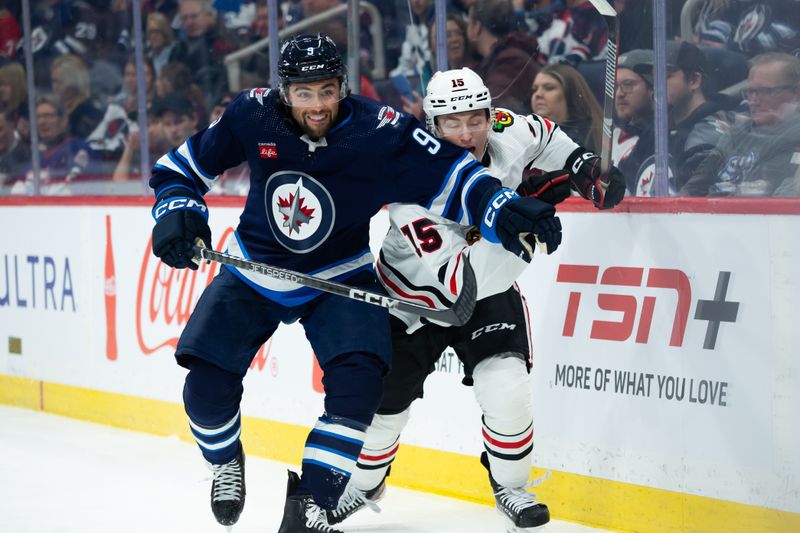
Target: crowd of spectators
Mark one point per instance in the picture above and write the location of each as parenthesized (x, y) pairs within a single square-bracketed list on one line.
[(733, 88)]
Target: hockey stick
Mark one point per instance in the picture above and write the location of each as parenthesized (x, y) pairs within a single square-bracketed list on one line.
[(610, 16), (457, 315)]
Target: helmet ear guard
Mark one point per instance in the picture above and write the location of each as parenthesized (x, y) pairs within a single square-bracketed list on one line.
[(310, 58), (454, 91)]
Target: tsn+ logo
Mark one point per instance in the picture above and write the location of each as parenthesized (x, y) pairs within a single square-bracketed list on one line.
[(713, 311)]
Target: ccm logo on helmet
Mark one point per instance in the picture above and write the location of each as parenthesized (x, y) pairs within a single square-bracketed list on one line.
[(461, 97), (308, 68)]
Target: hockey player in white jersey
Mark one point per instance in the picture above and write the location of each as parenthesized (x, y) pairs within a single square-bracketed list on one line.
[(421, 260)]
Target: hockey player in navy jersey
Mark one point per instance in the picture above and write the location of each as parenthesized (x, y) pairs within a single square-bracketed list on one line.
[(534, 156), (322, 163)]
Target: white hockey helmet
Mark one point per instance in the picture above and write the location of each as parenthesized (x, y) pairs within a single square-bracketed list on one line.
[(454, 91)]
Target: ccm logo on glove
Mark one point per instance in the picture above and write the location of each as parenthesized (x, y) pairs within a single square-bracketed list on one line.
[(168, 205), (578, 163), (489, 217)]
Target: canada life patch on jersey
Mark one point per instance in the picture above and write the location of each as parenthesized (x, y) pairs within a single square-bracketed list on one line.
[(300, 210), (267, 151), (387, 115), (259, 94), (501, 121)]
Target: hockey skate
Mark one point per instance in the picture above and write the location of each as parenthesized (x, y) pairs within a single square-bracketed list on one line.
[(301, 514), (353, 500), (228, 490), (519, 507)]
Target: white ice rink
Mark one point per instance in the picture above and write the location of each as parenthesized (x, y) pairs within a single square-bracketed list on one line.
[(64, 475)]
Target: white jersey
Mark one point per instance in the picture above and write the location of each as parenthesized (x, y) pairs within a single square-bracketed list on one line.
[(421, 256)]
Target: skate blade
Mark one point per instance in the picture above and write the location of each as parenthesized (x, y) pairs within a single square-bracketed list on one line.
[(513, 528)]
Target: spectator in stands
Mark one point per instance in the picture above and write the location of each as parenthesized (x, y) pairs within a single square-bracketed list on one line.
[(698, 117), (15, 154), (577, 32), (13, 89), (10, 33), (633, 141), (177, 78), (459, 55), (60, 27), (129, 163), (107, 139), (127, 97), (752, 27), (63, 156), (508, 64), (459, 51), (635, 22), (758, 157), (69, 77), (177, 116), (203, 47), (415, 52), (168, 8), (160, 40), (220, 106), (234, 181), (255, 69), (335, 28), (237, 15), (560, 94)]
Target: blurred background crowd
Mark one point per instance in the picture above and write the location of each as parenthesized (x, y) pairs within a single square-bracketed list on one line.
[(70, 102)]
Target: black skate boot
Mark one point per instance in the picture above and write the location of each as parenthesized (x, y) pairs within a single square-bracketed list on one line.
[(228, 490), (353, 500), (519, 506), (301, 514)]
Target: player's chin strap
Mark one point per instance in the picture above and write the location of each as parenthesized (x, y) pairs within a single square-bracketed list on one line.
[(457, 314)]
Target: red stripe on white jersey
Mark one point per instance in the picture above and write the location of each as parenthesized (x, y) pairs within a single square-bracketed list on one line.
[(453, 278), (400, 292)]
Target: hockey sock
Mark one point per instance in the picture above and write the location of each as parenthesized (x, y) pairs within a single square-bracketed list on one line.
[(380, 448), (502, 388), (211, 398), (329, 459)]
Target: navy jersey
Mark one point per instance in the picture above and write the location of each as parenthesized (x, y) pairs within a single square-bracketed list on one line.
[(310, 203)]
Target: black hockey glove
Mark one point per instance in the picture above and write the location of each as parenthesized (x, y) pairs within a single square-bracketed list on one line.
[(180, 219), (516, 223), (587, 179), (552, 187)]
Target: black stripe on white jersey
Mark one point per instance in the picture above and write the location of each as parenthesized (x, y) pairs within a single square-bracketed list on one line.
[(443, 301)]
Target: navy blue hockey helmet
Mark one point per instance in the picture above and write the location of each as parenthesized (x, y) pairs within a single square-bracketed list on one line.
[(309, 58)]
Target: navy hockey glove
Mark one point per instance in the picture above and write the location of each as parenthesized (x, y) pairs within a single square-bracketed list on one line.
[(552, 187), (180, 219), (516, 222), (587, 179)]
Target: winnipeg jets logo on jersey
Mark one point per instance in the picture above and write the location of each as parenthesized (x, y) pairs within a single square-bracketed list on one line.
[(387, 115), (300, 210), (259, 94)]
